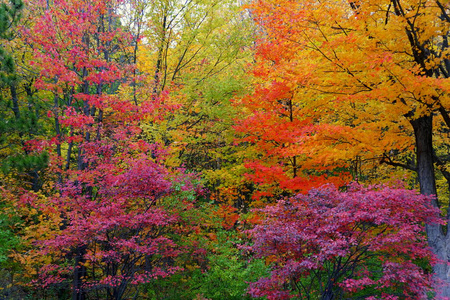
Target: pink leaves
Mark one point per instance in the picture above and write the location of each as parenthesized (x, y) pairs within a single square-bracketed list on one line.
[(74, 119), (70, 44), (109, 209), (145, 179), (113, 209), (330, 236), (353, 285), (120, 224), (52, 274)]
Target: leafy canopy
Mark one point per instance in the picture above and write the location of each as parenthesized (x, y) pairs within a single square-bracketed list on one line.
[(361, 242)]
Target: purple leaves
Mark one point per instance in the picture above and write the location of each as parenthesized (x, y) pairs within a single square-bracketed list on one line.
[(321, 243)]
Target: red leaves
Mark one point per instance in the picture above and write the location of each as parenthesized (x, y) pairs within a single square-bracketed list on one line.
[(288, 143), (111, 184), (74, 119), (66, 50), (329, 233), (112, 211), (144, 179)]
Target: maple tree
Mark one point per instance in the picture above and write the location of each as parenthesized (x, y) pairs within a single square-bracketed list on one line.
[(367, 81), (102, 230), (92, 222), (117, 236), (364, 242)]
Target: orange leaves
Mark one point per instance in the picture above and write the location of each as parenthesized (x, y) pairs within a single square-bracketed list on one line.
[(303, 185), (335, 81), (228, 215)]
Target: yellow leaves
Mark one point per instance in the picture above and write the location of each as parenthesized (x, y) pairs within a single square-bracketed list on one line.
[(354, 72), (228, 194), (146, 59)]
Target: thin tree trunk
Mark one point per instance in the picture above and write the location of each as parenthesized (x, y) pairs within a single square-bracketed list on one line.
[(15, 100), (79, 272)]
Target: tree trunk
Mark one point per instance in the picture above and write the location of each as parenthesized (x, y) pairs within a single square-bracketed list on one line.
[(328, 295), (438, 241), (79, 273)]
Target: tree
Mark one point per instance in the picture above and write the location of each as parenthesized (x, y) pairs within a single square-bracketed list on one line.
[(101, 228), (277, 130), (215, 267), (9, 16), (369, 81), (196, 52), (118, 236), (361, 243), (19, 168), (19, 122)]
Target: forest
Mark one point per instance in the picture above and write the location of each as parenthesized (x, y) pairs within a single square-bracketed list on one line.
[(224, 149)]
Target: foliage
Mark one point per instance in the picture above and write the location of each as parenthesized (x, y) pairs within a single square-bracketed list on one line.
[(9, 222), (365, 242), (9, 16), (197, 51), (215, 266), (337, 83), (365, 81), (228, 271), (19, 123), (117, 234), (102, 230), (132, 140)]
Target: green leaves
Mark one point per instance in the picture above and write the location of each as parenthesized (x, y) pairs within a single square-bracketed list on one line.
[(9, 15), (24, 162), (229, 271)]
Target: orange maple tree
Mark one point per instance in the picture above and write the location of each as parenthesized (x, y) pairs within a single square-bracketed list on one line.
[(340, 81)]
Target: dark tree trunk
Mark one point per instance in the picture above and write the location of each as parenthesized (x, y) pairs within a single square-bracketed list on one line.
[(423, 133), (79, 273), (327, 295), (438, 241)]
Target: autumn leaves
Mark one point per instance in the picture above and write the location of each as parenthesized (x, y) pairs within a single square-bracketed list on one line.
[(263, 102)]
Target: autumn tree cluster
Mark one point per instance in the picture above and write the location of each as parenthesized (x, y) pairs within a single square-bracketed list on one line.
[(214, 149)]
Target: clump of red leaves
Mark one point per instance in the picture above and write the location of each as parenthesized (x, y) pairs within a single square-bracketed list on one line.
[(330, 243)]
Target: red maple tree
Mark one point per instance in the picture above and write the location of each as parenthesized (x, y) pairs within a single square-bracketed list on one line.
[(364, 242)]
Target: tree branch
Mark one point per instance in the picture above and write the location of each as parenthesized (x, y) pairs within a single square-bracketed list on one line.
[(387, 160)]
